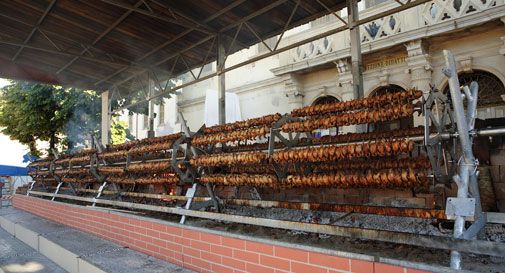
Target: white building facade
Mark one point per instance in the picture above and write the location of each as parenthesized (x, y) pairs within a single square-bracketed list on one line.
[(400, 51)]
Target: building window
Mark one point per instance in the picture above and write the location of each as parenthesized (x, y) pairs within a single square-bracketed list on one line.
[(491, 89), (161, 114)]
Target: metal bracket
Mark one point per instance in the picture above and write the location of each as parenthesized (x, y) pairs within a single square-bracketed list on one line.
[(460, 206)]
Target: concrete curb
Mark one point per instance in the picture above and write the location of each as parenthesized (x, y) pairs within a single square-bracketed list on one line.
[(59, 255)]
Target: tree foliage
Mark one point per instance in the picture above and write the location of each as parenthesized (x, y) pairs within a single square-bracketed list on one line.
[(119, 132), (32, 111)]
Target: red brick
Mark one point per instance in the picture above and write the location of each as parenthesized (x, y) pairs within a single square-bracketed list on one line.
[(200, 263), (305, 268), (211, 257), (166, 237), (387, 268), (275, 262), (167, 252), (159, 227), (332, 262), (292, 254), (153, 233), (232, 242), (246, 256), (191, 252), (160, 243), (358, 266), (221, 269), (411, 270), (174, 247), (191, 234), (200, 245), (221, 250), (210, 238), (254, 268), (153, 248), (259, 247), (174, 230), (233, 263)]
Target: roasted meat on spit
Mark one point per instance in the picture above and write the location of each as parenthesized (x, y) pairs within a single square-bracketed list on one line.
[(363, 103), (241, 180), (333, 153), (351, 118), (229, 159), (238, 125), (230, 136)]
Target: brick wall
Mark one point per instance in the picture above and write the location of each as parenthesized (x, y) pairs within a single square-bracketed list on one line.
[(194, 249)]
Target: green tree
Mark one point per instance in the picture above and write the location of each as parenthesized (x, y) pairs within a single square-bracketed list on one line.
[(119, 132), (32, 111)]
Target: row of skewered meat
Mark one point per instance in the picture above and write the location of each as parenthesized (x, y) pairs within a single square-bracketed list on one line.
[(74, 160), (168, 139), (363, 103), (351, 137), (224, 137), (333, 153), (351, 118), (39, 173), (80, 180), (256, 180), (238, 125), (161, 179), (42, 162), (416, 163), (387, 178), (229, 159), (71, 171), (342, 138)]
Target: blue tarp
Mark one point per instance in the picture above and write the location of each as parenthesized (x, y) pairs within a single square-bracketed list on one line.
[(13, 171)]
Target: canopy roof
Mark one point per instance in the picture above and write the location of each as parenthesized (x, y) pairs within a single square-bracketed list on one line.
[(96, 44), (13, 171)]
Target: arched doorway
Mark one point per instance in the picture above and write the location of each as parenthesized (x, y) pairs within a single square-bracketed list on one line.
[(491, 99), (325, 132), (402, 123)]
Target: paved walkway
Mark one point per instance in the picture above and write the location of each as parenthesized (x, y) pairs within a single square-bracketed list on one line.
[(16, 256)]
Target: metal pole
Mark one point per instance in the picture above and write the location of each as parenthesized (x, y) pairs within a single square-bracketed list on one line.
[(467, 163), (105, 118), (356, 60), (150, 111), (221, 87)]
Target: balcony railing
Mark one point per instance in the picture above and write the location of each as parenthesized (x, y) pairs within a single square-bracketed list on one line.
[(426, 15)]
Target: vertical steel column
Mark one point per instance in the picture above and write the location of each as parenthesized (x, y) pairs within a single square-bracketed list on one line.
[(105, 118), (221, 84), (467, 163), (150, 109), (356, 59)]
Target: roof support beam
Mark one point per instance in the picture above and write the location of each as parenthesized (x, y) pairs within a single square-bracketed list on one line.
[(153, 15), (103, 34), (287, 47), (34, 29)]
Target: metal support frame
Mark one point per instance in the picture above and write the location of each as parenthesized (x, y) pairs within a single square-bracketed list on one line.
[(221, 80), (467, 169), (105, 118), (190, 194), (356, 58)]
